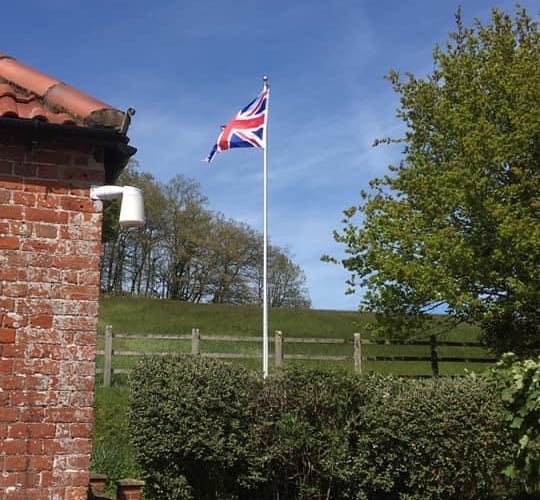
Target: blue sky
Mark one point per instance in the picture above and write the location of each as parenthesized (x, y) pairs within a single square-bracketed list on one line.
[(187, 66)]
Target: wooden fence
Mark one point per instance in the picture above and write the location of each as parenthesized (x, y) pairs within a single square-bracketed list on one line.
[(357, 357)]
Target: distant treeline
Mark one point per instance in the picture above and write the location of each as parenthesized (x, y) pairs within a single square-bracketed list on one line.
[(188, 253)]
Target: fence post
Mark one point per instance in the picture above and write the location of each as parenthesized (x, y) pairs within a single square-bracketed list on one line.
[(278, 350), (433, 355), (107, 357), (358, 353), (195, 342)]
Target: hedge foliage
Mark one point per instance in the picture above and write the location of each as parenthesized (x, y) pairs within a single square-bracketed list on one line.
[(190, 421), (204, 429), (520, 384)]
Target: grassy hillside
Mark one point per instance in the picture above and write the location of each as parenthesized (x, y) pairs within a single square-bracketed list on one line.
[(137, 315), (142, 315)]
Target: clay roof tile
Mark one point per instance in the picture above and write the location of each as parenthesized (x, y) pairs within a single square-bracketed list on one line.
[(24, 76), (90, 110), (8, 106), (29, 94)]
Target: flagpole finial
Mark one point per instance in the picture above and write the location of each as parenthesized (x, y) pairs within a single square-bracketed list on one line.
[(265, 81)]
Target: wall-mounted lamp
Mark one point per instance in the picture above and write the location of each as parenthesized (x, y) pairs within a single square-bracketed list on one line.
[(132, 207)]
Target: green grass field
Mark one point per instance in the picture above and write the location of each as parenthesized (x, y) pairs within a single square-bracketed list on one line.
[(142, 315), (133, 315)]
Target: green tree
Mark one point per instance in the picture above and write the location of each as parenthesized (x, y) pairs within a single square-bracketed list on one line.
[(456, 223), (186, 225), (233, 253), (186, 252), (130, 255), (286, 281)]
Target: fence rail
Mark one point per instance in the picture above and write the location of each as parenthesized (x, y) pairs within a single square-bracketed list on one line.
[(357, 356)]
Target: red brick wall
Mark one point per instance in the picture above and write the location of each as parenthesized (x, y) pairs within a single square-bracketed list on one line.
[(50, 244)]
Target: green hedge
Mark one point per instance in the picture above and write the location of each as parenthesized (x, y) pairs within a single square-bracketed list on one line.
[(190, 426), (305, 422), (432, 439), (209, 430)]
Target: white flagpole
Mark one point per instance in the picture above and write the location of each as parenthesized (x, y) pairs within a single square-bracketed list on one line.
[(265, 238)]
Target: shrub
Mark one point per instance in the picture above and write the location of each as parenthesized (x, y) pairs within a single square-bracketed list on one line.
[(336, 436), (430, 439), (208, 430), (190, 420), (520, 385), (304, 423)]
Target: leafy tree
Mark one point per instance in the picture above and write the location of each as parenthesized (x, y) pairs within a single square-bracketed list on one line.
[(186, 252), (286, 281), (456, 223), (127, 253), (234, 249), (186, 225)]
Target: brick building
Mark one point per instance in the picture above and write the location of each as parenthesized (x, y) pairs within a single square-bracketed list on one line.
[(55, 142)]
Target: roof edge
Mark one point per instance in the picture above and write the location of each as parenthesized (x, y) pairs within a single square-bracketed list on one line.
[(117, 151), (60, 96)]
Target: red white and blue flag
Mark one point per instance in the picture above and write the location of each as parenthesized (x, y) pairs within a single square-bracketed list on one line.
[(246, 129)]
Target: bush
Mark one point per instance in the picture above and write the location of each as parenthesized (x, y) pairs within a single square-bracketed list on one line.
[(304, 425), (519, 381), (208, 430), (430, 439), (190, 421), (337, 436)]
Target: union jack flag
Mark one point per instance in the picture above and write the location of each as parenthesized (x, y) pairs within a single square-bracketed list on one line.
[(246, 129)]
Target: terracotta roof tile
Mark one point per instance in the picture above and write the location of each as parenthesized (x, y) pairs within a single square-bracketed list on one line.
[(24, 76), (26, 93)]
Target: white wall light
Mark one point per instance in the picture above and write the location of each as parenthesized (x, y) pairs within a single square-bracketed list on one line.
[(132, 207)]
